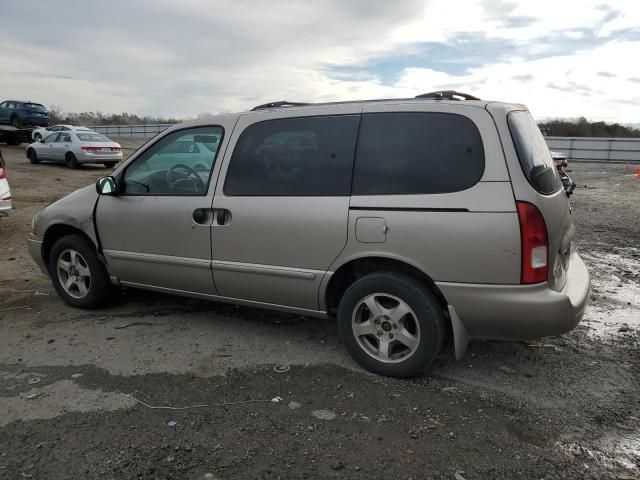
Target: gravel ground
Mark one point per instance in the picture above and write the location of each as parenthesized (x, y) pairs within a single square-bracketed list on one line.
[(79, 390)]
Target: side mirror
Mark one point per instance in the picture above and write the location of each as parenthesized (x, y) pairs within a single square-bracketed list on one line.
[(106, 186)]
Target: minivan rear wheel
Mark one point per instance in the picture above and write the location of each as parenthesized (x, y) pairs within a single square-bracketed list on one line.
[(391, 324), (78, 276)]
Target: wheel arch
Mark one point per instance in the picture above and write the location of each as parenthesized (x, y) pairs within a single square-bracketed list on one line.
[(346, 274), (59, 230), (355, 268)]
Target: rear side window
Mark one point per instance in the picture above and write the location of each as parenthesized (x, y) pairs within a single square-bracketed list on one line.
[(533, 153), (417, 153), (307, 156), (35, 106)]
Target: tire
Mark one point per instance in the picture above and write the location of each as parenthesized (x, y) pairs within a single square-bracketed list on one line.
[(110, 164), (71, 161), (37, 137), (414, 339), (78, 276), (32, 156), (16, 122)]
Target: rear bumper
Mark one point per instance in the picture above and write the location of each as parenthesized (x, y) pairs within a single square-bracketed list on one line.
[(35, 249), (521, 312), (85, 157)]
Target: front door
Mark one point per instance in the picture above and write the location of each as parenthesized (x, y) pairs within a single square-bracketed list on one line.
[(60, 147), (282, 210), (156, 231), (47, 150)]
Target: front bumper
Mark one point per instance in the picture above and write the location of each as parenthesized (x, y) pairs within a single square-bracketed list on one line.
[(35, 249), (521, 312)]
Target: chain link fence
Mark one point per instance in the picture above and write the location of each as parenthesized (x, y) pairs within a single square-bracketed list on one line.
[(139, 131), (597, 149)]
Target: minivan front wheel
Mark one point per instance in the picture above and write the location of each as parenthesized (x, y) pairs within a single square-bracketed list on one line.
[(78, 276), (391, 324)]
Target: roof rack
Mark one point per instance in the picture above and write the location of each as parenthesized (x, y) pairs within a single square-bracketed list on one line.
[(447, 95), (281, 103)]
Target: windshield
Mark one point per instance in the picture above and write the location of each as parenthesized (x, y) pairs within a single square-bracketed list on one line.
[(533, 153), (92, 137), (35, 106)]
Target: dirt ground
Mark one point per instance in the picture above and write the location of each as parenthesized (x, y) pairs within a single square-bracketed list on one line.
[(80, 390)]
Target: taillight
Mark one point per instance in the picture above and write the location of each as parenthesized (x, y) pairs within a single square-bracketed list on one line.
[(535, 244), (2, 175), (116, 149)]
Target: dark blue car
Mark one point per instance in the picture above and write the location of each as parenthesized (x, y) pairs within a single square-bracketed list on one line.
[(23, 114)]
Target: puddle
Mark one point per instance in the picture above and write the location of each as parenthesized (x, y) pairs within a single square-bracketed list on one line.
[(616, 282), (612, 451)]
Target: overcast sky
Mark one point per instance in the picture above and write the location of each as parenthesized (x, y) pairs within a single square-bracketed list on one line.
[(185, 57)]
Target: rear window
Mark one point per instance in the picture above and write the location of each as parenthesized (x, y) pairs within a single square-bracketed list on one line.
[(35, 106), (307, 156), (533, 153), (417, 153), (92, 137)]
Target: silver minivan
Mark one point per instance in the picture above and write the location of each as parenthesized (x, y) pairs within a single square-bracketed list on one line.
[(411, 221)]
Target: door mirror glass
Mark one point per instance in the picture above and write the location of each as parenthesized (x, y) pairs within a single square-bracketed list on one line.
[(106, 186)]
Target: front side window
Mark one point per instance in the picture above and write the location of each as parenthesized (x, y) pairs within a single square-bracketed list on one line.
[(180, 163), (51, 138), (533, 153), (64, 137), (306, 156), (417, 153)]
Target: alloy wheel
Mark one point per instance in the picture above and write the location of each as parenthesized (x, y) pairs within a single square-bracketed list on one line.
[(385, 327), (73, 273)]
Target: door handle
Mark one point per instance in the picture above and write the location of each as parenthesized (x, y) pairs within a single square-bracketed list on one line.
[(222, 216), (202, 216)]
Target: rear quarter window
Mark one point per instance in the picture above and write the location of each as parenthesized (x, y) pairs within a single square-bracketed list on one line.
[(533, 153), (403, 153)]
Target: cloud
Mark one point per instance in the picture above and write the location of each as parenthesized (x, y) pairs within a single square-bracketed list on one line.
[(183, 58)]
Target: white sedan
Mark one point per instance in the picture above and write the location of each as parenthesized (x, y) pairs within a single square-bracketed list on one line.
[(5, 192), (74, 148), (43, 132)]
